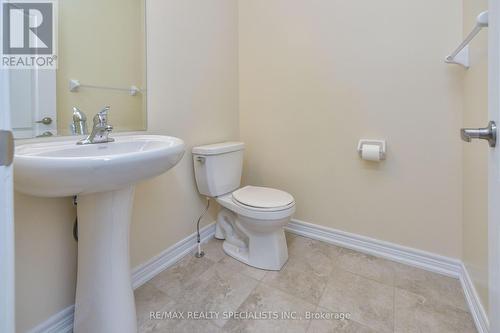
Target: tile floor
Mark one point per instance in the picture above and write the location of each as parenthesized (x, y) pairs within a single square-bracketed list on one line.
[(318, 279)]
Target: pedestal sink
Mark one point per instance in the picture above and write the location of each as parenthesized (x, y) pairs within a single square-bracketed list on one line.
[(103, 178)]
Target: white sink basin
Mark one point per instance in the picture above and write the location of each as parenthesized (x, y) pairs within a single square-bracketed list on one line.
[(103, 177), (63, 168)]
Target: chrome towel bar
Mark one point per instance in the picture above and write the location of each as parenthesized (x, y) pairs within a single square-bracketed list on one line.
[(75, 85), (461, 54)]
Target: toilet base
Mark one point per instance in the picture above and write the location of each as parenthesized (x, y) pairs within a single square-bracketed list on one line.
[(240, 254), (273, 263), (261, 244), (219, 233)]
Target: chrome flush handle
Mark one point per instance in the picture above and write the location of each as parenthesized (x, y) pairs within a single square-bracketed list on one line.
[(488, 133)]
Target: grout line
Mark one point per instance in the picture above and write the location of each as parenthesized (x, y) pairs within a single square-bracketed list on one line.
[(392, 285)]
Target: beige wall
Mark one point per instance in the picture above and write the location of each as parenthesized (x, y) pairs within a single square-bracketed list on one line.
[(475, 186), (45, 258), (193, 94), (316, 76), (101, 45)]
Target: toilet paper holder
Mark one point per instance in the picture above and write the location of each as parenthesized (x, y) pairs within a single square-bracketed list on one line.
[(380, 143)]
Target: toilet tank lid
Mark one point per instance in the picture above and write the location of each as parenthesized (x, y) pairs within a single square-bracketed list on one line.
[(218, 148)]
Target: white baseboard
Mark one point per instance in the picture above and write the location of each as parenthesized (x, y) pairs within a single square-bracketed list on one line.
[(475, 305), (62, 322), (405, 255), (145, 272)]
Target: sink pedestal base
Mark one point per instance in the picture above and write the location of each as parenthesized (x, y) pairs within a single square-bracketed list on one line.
[(104, 295)]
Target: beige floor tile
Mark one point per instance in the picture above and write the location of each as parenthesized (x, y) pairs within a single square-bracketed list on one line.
[(317, 277), (369, 302), (163, 323), (150, 299), (218, 290), (371, 267), (322, 325), (414, 314), (214, 291), (434, 287), (158, 326), (264, 299), (289, 235), (337, 326), (236, 266), (195, 326), (177, 279), (320, 254), (213, 249), (301, 278)]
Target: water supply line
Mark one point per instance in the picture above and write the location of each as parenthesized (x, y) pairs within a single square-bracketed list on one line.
[(200, 253), (75, 225)]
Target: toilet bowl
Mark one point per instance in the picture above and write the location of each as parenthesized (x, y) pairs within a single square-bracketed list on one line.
[(254, 235), (251, 219)]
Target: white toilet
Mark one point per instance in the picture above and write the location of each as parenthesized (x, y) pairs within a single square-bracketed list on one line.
[(252, 218)]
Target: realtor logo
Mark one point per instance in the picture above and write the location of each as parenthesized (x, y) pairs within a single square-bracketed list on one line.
[(29, 34)]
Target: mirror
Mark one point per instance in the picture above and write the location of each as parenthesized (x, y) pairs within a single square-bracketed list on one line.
[(101, 61)]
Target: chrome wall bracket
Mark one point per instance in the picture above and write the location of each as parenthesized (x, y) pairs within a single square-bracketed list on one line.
[(488, 133)]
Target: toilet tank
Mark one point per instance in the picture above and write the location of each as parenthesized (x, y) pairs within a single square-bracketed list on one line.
[(217, 167)]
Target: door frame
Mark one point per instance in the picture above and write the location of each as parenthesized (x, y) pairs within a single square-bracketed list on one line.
[(7, 267), (494, 166)]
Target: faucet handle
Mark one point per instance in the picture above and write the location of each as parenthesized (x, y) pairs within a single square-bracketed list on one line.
[(79, 124), (101, 118), (105, 109), (78, 115)]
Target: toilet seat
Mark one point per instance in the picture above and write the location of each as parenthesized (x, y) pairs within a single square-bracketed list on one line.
[(261, 214), (262, 198)]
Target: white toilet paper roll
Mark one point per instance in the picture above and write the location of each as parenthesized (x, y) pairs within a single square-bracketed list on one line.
[(370, 152)]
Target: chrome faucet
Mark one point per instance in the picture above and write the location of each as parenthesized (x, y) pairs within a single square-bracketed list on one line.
[(100, 130), (79, 125)]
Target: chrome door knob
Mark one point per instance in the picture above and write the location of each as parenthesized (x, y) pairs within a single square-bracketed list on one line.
[(488, 133), (45, 121), (44, 134)]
